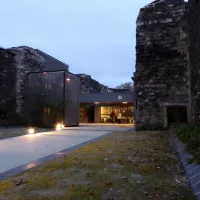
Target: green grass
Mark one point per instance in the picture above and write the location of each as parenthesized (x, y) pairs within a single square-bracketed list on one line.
[(5, 186), (138, 165), (190, 136), (14, 132)]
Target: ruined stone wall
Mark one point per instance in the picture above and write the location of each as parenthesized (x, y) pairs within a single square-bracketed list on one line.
[(7, 83), (194, 58), (15, 63), (161, 77), (26, 60), (89, 85)]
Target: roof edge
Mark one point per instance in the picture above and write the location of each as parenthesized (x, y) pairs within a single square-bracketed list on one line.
[(52, 57)]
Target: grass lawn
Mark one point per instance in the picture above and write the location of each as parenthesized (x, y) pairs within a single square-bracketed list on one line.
[(129, 165), (189, 135), (14, 132)]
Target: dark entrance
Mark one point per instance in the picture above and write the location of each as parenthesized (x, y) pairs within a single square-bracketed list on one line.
[(90, 114), (176, 114), (87, 114)]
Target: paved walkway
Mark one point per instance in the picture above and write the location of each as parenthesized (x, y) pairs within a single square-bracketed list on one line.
[(21, 150)]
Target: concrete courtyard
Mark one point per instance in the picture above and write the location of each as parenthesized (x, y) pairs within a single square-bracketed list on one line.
[(25, 149)]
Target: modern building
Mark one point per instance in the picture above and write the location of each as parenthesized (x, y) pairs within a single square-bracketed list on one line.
[(52, 98), (23, 70), (97, 107)]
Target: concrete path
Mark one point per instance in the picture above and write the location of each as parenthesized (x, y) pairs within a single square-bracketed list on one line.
[(21, 150)]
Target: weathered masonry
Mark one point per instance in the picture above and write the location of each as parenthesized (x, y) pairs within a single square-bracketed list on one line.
[(161, 78), (15, 63), (194, 58), (44, 75)]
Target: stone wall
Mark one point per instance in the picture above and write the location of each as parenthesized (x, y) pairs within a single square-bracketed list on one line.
[(7, 84), (194, 58), (161, 77), (26, 60), (15, 63), (89, 85)]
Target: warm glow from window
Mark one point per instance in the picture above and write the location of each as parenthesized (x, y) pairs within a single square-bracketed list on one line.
[(105, 110)]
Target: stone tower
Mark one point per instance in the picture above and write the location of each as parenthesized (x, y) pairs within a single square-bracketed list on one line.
[(161, 76)]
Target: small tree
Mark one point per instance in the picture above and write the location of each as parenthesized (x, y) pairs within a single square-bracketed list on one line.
[(126, 85)]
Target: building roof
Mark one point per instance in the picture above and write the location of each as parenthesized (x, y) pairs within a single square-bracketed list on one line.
[(51, 63), (107, 97), (118, 90)]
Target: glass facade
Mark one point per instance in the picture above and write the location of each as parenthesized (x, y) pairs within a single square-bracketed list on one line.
[(125, 110)]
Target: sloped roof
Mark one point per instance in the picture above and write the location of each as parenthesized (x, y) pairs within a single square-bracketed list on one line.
[(51, 63)]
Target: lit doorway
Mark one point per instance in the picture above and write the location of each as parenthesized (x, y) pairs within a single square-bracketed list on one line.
[(125, 110)]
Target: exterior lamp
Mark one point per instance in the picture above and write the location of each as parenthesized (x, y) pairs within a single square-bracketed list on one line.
[(31, 131), (59, 127), (68, 79), (125, 102)]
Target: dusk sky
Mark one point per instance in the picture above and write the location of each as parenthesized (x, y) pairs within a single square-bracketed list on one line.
[(93, 37)]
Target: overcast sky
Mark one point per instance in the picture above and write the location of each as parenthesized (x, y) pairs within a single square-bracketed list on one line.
[(96, 37)]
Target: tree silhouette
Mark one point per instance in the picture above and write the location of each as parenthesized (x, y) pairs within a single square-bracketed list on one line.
[(126, 85)]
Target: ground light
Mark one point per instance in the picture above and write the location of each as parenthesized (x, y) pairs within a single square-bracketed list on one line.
[(31, 131), (59, 127)]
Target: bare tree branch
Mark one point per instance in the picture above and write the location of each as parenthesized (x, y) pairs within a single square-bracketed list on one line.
[(126, 85)]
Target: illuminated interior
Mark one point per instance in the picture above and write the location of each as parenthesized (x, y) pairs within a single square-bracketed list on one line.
[(125, 110)]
